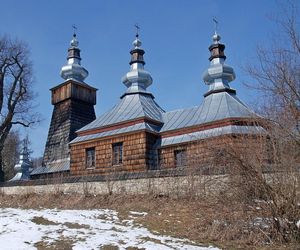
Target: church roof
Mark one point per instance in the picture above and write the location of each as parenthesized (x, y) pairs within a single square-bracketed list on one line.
[(137, 102), (199, 135), (52, 167), (137, 127), (131, 107), (215, 107), (220, 101)]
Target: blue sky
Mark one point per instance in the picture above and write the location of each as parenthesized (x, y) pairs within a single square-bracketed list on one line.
[(176, 35)]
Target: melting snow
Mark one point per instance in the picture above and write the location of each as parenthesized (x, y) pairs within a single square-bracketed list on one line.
[(88, 229), (138, 213)]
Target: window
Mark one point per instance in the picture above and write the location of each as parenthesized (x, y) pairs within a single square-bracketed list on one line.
[(90, 157), (117, 153), (180, 157)]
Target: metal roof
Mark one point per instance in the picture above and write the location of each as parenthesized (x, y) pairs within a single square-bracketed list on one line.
[(231, 129), (136, 127), (52, 167), (215, 107), (20, 177), (131, 106)]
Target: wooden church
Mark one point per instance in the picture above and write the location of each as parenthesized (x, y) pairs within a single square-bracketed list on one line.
[(137, 135)]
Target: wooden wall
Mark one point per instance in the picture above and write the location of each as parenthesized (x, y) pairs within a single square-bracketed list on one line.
[(212, 155), (74, 90), (220, 152), (137, 154)]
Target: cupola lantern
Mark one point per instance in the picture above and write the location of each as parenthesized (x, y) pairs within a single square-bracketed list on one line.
[(218, 75), (73, 69), (137, 79)]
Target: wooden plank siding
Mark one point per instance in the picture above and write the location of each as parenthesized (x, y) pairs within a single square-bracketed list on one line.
[(137, 151)]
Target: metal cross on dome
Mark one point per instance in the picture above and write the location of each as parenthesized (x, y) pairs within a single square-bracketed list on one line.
[(74, 29), (216, 24), (137, 30)]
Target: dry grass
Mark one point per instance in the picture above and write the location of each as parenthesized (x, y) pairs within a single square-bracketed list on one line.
[(109, 247), (40, 220), (76, 225), (62, 243), (227, 225)]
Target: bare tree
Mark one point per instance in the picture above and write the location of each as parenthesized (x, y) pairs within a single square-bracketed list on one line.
[(262, 171), (16, 95), (268, 168), (10, 153), (277, 73)]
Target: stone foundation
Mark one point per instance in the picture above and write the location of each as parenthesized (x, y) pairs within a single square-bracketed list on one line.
[(171, 186)]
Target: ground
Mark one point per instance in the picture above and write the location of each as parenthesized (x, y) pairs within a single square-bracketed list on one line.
[(134, 222), (80, 229)]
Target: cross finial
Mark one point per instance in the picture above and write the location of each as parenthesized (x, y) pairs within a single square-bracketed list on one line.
[(26, 145), (137, 30), (216, 24), (74, 30)]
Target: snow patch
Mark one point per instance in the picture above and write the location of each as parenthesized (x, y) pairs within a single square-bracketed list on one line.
[(138, 213), (87, 229)]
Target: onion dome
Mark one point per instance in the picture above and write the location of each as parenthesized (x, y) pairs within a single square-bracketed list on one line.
[(218, 75), (137, 79), (73, 69)]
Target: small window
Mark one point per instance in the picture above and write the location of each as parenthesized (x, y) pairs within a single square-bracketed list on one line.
[(117, 153), (90, 157), (180, 157)]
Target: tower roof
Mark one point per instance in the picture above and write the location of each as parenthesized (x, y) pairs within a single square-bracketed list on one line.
[(137, 79), (73, 69), (136, 102), (218, 75)]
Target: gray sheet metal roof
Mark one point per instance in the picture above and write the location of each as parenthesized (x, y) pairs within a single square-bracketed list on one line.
[(52, 167), (136, 127), (231, 129), (130, 107), (215, 107)]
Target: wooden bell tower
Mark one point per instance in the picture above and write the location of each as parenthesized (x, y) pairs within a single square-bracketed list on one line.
[(73, 102)]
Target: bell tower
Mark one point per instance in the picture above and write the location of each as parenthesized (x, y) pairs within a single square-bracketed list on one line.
[(73, 102)]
